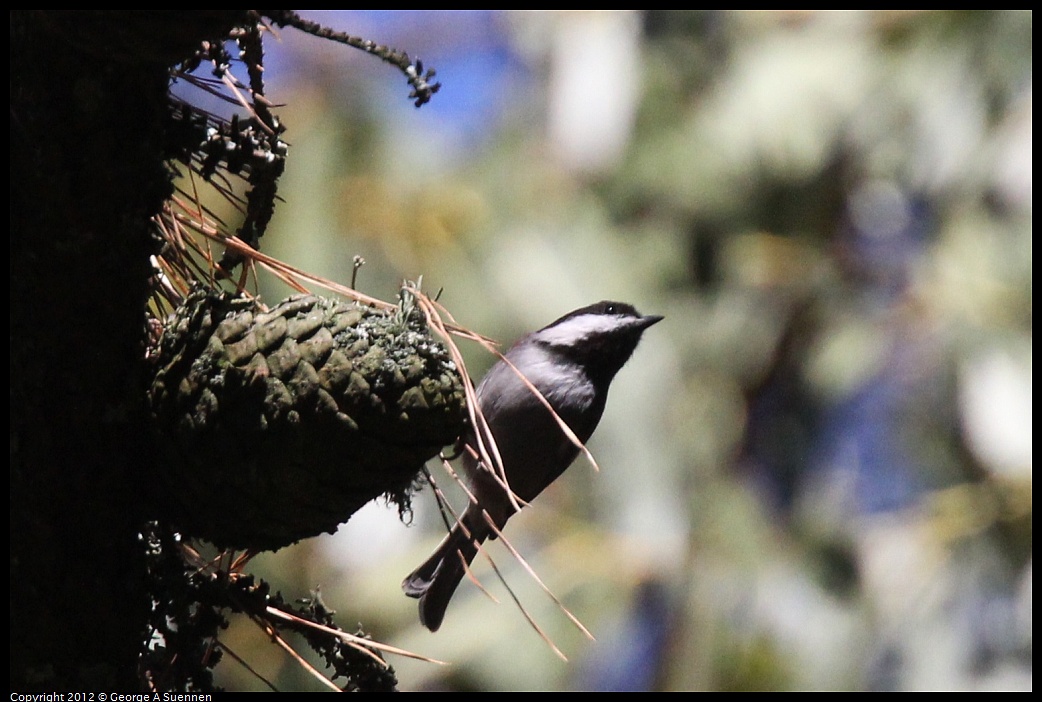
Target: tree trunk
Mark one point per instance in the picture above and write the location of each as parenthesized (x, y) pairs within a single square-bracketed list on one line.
[(88, 106)]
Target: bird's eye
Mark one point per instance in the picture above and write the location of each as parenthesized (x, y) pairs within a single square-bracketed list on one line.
[(610, 309)]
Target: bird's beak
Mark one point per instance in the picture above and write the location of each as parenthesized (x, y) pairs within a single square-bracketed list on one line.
[(650, 319)]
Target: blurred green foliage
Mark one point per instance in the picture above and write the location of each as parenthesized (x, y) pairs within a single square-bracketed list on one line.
[(816, 474)]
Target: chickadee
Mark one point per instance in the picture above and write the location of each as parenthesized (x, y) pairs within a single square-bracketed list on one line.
[(572, 362)]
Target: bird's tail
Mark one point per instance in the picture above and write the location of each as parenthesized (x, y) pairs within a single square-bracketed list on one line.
[(437, 578)]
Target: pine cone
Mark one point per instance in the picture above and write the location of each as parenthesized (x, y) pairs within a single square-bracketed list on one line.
[(279, 425)]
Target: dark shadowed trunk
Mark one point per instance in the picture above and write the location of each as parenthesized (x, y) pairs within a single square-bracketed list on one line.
[(88, 98)]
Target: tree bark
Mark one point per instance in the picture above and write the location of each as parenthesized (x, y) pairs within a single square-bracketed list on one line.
[(88, 109)]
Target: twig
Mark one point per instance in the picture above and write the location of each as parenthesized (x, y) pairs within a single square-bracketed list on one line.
[(350, 639)]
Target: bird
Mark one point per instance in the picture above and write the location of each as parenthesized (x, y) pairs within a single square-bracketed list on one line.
[(572, 362)]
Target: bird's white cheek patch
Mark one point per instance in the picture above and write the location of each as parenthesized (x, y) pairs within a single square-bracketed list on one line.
[(573, 330)]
